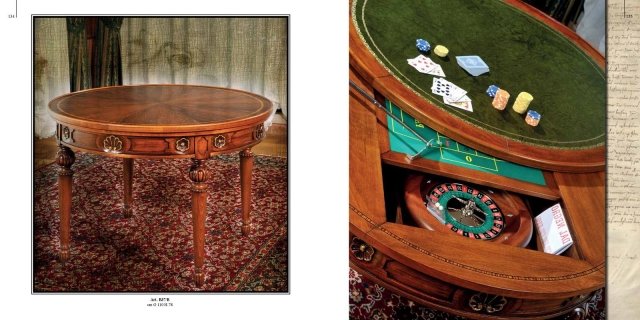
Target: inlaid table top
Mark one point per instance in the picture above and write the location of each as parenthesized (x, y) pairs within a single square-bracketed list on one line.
[(160, 108)]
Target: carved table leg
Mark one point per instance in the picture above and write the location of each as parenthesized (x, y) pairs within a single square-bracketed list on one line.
[(127, 180), (246, 166), (65, 158), (198, 175)]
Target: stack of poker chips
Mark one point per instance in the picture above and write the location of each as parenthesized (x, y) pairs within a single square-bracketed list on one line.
[(491, 91), (522, 102), (441, 51), (533, 118), (423, 45), (501, 99)]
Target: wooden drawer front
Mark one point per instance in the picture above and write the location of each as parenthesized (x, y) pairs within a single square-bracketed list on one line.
[(433, 292), (433, 287)]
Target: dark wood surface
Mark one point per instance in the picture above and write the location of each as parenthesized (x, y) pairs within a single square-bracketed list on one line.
[(160, 121), (246, 164), (127, 181), (585, 209), (553, 159), (160, 108), (365, 172)]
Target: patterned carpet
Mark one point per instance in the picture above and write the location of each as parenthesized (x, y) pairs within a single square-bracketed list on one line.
[(368, 300), (152, 251)]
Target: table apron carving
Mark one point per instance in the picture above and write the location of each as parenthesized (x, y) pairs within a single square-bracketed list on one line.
[(158, 145)]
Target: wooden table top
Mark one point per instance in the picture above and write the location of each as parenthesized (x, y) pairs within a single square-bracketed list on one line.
[(160, 108)]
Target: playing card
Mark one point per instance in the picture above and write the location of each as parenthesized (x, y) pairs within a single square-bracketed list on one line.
[(441, 87), (464, 98), (464, 103), (437, 71), (456, 93), (420, 66), (422, 63)]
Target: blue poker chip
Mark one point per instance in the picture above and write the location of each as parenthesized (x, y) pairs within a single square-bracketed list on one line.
[(533, 115), (491, 91), (423, 45)]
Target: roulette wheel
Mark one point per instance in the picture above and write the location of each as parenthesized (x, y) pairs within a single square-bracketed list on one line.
[(474, 212)]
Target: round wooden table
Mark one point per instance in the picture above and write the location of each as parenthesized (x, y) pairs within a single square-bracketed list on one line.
[(159, 121)]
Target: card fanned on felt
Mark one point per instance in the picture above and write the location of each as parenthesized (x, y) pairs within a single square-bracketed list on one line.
[(452, 95), (426, 65)]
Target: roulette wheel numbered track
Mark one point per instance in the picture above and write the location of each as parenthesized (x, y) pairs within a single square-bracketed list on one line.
[(517, 229)]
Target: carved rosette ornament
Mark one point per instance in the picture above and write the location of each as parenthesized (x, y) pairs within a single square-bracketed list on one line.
[(65, 158), (259, 132), (182, 145), (489, 303), (362, 250), (66, 133), (219, 141), (112, 144)]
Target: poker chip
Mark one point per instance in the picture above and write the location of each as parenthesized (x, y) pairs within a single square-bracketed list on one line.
[(533, 118), (422, 45), (501, 99), (441, 51), (491, 91), (522, 102)]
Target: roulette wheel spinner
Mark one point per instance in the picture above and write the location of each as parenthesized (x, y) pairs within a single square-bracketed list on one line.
[(473, 212)]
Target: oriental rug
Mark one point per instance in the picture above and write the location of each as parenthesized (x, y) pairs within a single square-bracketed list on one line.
[(152, 250), (369, 300)]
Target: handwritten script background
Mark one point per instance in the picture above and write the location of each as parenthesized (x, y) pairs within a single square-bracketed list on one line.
[(623, 180)]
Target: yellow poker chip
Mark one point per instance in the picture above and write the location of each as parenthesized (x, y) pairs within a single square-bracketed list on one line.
[(441, 51)]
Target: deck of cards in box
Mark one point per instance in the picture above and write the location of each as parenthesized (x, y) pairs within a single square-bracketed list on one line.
[(474, 65), (553, 230)]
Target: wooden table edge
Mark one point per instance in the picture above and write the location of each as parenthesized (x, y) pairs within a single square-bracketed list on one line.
[(594, 275)]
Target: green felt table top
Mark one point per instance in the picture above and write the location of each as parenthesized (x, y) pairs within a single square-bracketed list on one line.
[(523, 54), (449, 151)]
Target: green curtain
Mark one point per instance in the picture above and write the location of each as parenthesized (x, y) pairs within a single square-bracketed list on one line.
[(248, 53), (79, 69), (107, 65), (50, 69)]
